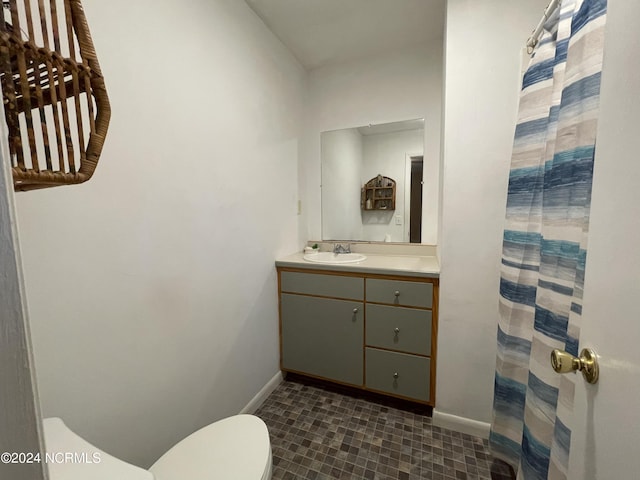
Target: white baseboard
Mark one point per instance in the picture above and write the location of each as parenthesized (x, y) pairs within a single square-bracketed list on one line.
[(461, 424), (262, 395)]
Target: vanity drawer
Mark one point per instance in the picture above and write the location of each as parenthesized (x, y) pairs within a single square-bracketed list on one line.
[(399, 292), (398, 373), (337, 286), (398, 328)]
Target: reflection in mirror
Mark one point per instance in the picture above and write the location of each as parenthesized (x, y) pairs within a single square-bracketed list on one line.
[(354, 161)]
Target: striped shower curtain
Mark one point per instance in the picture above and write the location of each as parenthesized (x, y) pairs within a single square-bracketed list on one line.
[(545, 242)]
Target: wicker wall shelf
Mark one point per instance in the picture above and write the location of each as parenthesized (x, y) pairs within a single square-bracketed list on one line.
[(56, 106), (379, 193)]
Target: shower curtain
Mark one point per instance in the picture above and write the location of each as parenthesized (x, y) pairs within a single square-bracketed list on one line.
[(545, 242)]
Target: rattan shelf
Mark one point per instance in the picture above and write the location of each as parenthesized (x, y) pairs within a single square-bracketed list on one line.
[(56, 105)]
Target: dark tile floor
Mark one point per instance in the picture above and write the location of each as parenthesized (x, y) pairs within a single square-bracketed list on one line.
[(319, 432)]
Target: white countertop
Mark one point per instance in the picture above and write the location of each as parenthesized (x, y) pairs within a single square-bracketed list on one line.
[(409, 265)]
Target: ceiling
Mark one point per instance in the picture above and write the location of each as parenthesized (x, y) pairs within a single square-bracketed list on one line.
[(321, 32)]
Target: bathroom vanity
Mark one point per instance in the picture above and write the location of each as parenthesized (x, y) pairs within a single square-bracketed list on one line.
[(370, 325)]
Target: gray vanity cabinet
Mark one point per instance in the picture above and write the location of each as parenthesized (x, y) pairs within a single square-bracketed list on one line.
[(371, 331)]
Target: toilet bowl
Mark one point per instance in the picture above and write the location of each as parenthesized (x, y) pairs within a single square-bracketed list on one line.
[(237, 447)]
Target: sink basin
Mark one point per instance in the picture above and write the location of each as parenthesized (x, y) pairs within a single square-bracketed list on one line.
[(334, 258)]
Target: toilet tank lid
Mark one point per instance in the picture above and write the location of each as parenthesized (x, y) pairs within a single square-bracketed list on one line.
[(70, 457)]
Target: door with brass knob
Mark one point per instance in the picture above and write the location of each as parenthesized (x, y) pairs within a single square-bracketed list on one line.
[(587, 363), (605, 433)]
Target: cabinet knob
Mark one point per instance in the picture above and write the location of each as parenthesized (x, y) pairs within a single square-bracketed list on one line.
[(395, 375), (397, 293), (396, 330), (355, 310)]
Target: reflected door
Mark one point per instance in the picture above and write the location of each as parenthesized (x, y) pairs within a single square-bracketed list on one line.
[(415, 219)]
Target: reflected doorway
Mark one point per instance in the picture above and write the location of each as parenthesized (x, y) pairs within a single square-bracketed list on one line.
[(415, 217)]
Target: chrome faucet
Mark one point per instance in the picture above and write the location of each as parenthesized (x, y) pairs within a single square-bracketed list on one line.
[(341, 248)]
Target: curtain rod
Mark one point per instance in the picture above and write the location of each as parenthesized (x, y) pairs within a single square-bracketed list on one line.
[(535, 35)]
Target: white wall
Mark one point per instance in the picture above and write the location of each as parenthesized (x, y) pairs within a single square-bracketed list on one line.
[(19, 409), (402, 86), (483, 53), (152, 287), (385, 154), (341, 172)]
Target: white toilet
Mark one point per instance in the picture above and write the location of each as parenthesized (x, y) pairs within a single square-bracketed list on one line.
[(234, 448)]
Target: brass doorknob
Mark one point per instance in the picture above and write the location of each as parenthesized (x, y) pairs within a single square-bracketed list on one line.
[(587, 363)]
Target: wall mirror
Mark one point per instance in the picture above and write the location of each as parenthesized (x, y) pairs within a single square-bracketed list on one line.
[(358, 167)]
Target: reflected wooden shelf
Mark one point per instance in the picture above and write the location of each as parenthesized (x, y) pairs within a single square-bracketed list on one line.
[(379, 193)]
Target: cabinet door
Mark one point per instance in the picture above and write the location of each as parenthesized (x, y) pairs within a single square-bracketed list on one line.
[(400, 292), (399, 328), (398, 373), (323, 337)]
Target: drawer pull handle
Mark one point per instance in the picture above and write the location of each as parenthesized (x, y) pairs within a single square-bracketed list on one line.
[(395, 375), (397, 293), (396, 330), (355, 310)]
